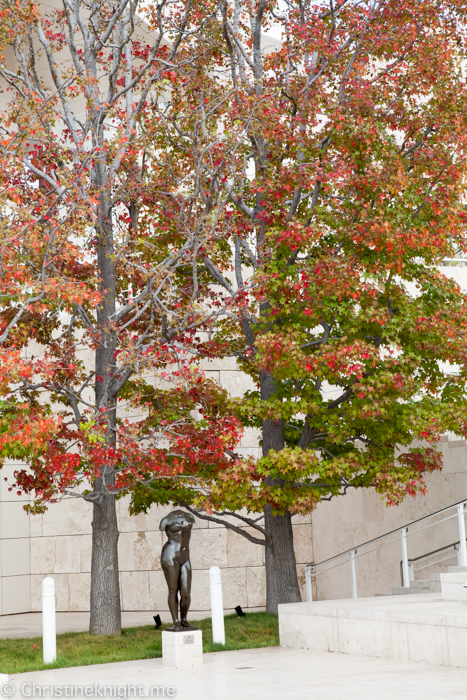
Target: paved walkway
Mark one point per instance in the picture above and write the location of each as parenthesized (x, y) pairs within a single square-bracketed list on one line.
[(254, 674)]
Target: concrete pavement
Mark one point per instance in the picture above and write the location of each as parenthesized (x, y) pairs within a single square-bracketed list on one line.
[(255, 674)]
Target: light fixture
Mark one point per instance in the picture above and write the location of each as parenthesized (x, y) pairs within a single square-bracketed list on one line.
[(239, 611), (158, 621)]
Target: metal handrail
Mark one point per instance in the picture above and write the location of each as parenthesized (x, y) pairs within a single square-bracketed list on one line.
[(311, 569), (391, 532), (435, 551), (438, 561)]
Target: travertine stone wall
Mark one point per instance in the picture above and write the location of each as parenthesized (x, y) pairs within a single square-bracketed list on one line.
[(15, 565), (61, 547), (359, 516)]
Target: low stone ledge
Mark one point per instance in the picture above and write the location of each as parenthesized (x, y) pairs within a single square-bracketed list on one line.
[(414, 628)]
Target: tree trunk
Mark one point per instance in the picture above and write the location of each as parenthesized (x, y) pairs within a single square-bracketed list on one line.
[(105, 589), (281, 569), (106, 617)]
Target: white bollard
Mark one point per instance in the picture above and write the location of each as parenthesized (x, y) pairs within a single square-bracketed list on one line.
[(49, 628), (217, 606)]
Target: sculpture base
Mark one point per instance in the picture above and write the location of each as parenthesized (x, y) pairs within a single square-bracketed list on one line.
[(183, 629), (184, 648)]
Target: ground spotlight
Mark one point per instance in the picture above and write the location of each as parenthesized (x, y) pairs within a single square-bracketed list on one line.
[(158, 621), (239, 611)]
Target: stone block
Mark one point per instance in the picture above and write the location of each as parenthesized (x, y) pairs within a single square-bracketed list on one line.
[(16, 594), (15, 520), (85, 546), (67, 555), (231, 519), (15, 557), (242, 552), (224, 364), (301, 580), (135, 590), (298, 519), (140, 551), (200, 596), (200, 524), (43, 555), (142, 521), (208, 548), (256, 586), (303, 544), (236, 383), (182, 648), (158, 591), (250, 437), (234, 591), (35, 525), (420, 628), (80, 591), (72, 516), (452, 586), (61, 592), (456, 646)]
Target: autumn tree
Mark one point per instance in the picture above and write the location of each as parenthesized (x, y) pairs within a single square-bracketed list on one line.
[(101, 302), (341, 149)]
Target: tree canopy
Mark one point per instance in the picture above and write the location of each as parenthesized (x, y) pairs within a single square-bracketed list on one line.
[(216, 191)]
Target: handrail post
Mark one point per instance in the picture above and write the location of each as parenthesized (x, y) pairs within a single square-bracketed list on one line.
[(353, 573), (462, 542), (308, 586), (405, 559)]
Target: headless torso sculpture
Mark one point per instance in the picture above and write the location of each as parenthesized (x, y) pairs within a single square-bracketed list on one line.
[(175, 561)]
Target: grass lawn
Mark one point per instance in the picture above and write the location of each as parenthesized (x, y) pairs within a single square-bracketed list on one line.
[(82, 649)]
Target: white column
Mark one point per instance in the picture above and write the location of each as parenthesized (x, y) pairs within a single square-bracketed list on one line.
[(353, 573), (217, 606), (308, 586), (462, 545), (49, 629), (405, 559)]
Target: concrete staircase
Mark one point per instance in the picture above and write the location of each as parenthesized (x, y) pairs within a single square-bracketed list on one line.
[(430, 585)]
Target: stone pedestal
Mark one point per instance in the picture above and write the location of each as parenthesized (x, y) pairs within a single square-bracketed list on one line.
[(183, 648)]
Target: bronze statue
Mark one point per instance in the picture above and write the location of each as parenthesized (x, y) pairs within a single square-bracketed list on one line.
[(175, 560)]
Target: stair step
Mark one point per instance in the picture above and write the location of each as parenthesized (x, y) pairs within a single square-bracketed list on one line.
[(434, 577), (420, 584), (402, 590)]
